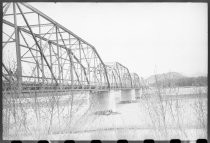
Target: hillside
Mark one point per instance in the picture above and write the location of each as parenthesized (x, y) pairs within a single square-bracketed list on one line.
[(164, 76)]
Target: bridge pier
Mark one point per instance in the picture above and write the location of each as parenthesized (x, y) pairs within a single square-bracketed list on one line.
[(102, 101), (117, 94), (138, 93), (128, 95)]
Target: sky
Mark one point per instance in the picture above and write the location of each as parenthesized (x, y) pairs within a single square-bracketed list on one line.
[(147, 38)]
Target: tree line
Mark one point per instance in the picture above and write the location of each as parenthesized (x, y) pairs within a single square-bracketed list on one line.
[(181, 82)]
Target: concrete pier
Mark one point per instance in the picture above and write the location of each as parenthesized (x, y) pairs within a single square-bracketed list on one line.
[(102, 101), (107, 100), (128, 95), (138, 93), (117, 95)]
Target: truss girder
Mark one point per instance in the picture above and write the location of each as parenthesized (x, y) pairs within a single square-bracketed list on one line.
[(136, 80), (120, 77), (48, 52), (38, 50)]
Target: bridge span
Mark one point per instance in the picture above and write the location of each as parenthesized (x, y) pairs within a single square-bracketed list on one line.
[(41, 55)]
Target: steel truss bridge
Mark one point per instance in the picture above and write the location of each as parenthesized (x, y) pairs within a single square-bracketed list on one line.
[(40, 53)]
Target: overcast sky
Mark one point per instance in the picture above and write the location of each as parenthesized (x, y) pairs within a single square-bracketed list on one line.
[(145, 37)]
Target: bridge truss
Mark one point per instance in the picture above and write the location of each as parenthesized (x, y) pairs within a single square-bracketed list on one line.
[(39, 52)]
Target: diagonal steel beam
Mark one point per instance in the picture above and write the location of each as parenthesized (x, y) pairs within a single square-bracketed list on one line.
[(8, 40), (37, 63), (74, 56), (127, 71), (70, 52), (118, 72), (36, 42), (6, 8)]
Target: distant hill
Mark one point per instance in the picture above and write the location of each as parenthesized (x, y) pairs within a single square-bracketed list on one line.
[(175, 79)]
